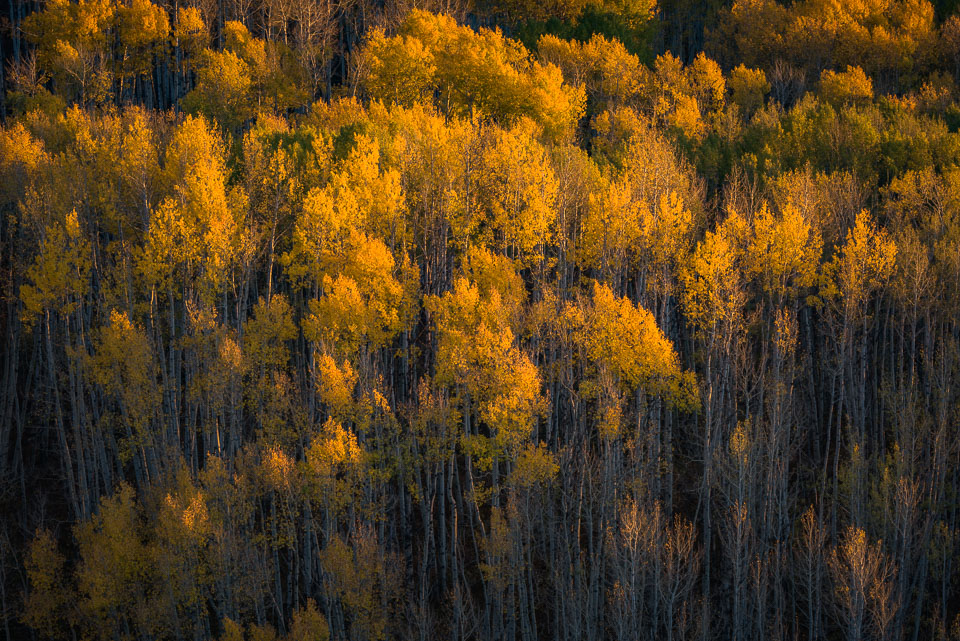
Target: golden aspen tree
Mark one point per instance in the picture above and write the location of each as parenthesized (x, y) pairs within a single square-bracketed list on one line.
[(114, 570), (713, 298), (624, 339), (477, 352), (22, 156), (364, 578), (123, 367), (190, 34), (711, 280), (850, 86), (858, 270), (610, 74), (518, 193), (48, 604), (59, 275), (143, 31), (309, 624), (274, 180), (224, 90), (72, 43), (335, 468), (610, 229), (783, 252), (266, 354), (482, 71), (864, 263), (196, 233), (748, 89), (399, 70), (180, 547)]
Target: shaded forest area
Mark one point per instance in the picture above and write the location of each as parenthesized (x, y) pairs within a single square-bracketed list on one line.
[(571, 319)]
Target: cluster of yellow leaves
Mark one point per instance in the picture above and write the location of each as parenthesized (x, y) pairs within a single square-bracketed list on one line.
[(849, 86), (72, 42), (59, 275), (477, 352), (628, 351), (865, 262), (471, 71), (189, 32), (143, 30), (712, 277), (748, 88), (364, 578), (197, 231), (519, 192), (48, 602), (535, 465), (779, 251), (624, 338), (114, 562), (606, 70), (339, 247), (783, 251), (619, 231), (266, 334), (686, 98), (336, 384), (122, 365), (247, 77), (336, 466), (878, 35)]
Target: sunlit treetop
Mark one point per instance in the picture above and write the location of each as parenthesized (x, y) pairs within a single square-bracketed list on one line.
[(470, 72)]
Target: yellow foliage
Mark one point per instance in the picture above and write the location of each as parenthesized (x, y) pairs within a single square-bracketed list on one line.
[(609, 73), (21, 157), (224, 89), (864, 263), (143, 30), (475, 71), (711, 278), (740, 444), (623, 339), (519, 192), (279, 470), (336, 384), (363, 578), (114, 562), (190, 32), (47, 603), (365, 302), (850, 86), (476, 350), (74, 46), (610, 229), (783, 251), (59, 275), (707, 83), (309, 624), (123, 366), (535, 465), (335, 467), (748, 88), (494, 273), (400, 69), (197, 231), (266, 334)]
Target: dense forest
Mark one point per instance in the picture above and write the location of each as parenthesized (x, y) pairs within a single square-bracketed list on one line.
[(506, 320)]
